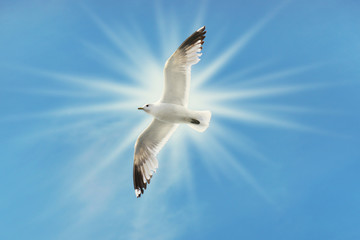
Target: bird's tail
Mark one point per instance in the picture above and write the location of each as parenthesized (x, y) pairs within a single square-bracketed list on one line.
[(200, 120)]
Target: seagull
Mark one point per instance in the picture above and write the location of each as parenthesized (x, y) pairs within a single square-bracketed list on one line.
[(170, 111)]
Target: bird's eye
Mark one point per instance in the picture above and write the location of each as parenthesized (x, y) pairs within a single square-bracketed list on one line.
[(147, 105)]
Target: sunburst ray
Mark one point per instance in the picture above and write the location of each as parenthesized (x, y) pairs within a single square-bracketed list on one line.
[(239, 99), (239, 44)]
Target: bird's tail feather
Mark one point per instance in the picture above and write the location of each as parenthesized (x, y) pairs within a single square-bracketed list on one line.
[(200, 120)]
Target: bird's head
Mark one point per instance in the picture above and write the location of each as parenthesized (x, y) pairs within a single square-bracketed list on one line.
[(146, 108)]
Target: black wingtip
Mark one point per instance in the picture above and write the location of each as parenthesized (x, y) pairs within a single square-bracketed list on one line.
[(138, 177), (139, 185), (196, 36)]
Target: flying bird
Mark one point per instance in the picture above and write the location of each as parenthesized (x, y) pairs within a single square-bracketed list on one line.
[(170, 111)]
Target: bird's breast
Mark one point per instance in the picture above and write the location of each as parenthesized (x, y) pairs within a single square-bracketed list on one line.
[(171, 113)]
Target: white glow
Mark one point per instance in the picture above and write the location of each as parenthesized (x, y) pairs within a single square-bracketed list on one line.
[(147, 74), (141, 82)]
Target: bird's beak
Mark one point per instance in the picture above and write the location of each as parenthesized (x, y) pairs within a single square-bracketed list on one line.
[(140, 109)]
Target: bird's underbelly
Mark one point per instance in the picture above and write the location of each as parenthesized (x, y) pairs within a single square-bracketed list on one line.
[(172, 113)]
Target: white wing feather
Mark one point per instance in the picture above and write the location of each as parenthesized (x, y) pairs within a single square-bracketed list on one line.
[(177, 69), (148, 145)]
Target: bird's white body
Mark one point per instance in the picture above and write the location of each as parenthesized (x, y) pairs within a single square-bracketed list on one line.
[(170, 111), (176, 114)]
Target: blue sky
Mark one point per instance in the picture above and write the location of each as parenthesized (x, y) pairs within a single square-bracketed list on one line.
[(280, 159)]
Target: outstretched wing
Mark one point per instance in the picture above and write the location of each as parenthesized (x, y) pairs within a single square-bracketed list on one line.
[(177, 69), (148, 145)]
